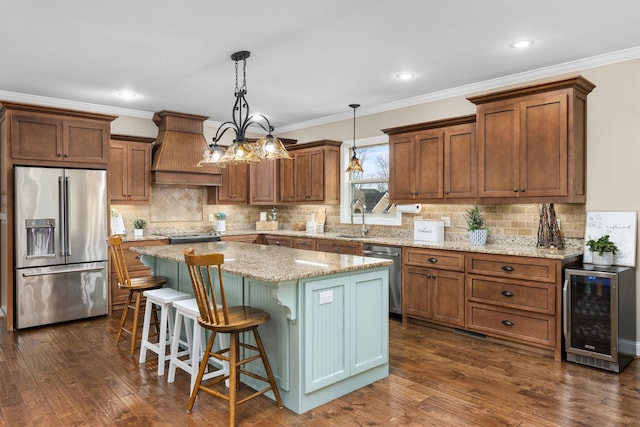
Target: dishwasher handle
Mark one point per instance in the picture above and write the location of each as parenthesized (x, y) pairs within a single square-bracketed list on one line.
[(382, 254)]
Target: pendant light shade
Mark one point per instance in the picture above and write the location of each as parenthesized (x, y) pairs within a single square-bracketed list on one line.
[(241, 150), (354, 162)]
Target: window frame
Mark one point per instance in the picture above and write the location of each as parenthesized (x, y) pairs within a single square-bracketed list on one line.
[(345, 186)]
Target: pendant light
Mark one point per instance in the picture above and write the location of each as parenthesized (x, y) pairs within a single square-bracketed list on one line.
[(241, 150), (354, 163)]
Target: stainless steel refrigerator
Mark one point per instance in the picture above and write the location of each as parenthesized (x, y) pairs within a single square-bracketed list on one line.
[(60, 243)]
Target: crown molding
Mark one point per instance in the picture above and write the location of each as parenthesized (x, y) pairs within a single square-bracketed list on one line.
[(487, 85), (465, 90)]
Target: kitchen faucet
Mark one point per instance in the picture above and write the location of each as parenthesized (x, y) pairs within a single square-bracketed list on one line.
[(354, 202)]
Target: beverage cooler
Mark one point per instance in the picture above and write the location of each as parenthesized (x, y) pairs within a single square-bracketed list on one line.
[(599, 316)]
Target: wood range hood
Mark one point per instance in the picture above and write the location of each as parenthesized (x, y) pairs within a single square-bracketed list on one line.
[(178, 150)]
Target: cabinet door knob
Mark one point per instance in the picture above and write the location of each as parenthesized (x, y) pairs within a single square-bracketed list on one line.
[(507, 293), (507, 268), (522, 190), (433, 260), (507, 323), (515, 190)]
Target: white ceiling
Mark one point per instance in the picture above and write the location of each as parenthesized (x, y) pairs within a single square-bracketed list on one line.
[(309, 60)]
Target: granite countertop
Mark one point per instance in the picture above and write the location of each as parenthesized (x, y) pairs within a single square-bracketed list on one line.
[(269, 263), (144, 238), (462, 246)]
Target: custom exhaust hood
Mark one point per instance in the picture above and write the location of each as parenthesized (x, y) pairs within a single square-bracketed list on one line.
[(178, 150)]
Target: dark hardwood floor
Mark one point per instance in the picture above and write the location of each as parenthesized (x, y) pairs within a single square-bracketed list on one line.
[(72, 374)]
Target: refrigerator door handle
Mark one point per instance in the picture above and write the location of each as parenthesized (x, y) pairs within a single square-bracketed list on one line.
[(70, 270), (565, 307), (66, 217), (62, 215)]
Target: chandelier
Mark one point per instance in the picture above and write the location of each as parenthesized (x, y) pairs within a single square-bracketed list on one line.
[(241, 150)]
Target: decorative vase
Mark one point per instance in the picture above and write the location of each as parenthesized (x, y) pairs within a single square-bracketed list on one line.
[(221, 226), (137, 232), (604, 260), (478, 237)]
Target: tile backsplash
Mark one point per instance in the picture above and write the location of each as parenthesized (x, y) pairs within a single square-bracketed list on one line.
[(177, 209)]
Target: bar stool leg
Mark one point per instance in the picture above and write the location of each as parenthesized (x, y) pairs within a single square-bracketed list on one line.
[(145, 330)]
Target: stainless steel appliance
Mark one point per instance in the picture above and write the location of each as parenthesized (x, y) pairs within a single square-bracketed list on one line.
[(395, 273), (193, 237), (600, 316), (60, 245)]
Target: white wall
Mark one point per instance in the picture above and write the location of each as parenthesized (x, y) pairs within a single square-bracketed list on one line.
[(613, 133)]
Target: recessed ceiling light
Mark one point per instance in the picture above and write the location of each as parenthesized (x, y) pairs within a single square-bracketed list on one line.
[(521, 44), (405, 76), (127, 95)]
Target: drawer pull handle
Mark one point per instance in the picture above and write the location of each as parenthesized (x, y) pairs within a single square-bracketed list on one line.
[(507, 268), (507, 293), (507, 323), (433, 260)]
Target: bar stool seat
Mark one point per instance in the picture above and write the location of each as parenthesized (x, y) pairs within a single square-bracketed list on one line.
[(163, 298), (187, 315)]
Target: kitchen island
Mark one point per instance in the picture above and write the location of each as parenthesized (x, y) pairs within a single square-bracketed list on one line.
[(328, 333)]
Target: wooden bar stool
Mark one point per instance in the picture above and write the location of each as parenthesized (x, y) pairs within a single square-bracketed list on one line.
[(163, 299), (188, 360), (135, 286), (217, 317)]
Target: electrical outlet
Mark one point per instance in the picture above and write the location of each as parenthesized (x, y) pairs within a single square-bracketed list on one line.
[(210, 217), (447, 221)]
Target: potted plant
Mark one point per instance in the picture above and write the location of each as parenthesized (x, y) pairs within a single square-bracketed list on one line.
[(138, 227), (221, 222), (602, 251), (476, 226)]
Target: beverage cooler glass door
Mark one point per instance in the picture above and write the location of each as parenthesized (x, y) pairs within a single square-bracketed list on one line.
[(591, 314)]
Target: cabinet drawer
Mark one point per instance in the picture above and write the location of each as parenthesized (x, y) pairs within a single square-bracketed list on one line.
[(339, 247), (286, 242), (444, 260), (515, 324), (538, 269), (536, 297)]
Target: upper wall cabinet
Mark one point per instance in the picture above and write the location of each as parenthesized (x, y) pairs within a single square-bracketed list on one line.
[(129, 169), (234, 188), (48, 136), (532, 143), (433, 161), (313, 176)]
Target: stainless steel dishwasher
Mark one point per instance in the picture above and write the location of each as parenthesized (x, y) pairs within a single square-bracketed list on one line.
[(395, 273)]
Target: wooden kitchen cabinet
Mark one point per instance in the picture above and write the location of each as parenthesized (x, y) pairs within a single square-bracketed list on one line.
[(135, 267), (245, 238), (433, 286), (433, 161), (516, 298), (339, 247), (129, 169), (45, 136), (235, 185), (283, 241), (263, 182), (313, 176), (304, 243), (532, 143)]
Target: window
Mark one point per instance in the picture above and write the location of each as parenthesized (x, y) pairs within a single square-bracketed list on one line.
[(368, 190)]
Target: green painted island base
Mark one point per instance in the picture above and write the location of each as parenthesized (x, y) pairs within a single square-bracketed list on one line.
[(327, 336)]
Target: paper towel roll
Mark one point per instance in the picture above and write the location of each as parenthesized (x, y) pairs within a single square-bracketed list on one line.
[(415, 208)]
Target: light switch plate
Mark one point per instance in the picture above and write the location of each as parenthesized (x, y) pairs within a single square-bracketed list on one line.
[(210, 217)]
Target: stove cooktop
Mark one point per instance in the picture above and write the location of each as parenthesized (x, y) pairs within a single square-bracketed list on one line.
[(193, 238)]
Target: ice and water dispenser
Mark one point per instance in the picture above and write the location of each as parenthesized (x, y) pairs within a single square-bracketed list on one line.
[(40, 237)]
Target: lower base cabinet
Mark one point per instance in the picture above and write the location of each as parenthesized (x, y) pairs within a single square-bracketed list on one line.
[(509, 298), (433, 286)]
